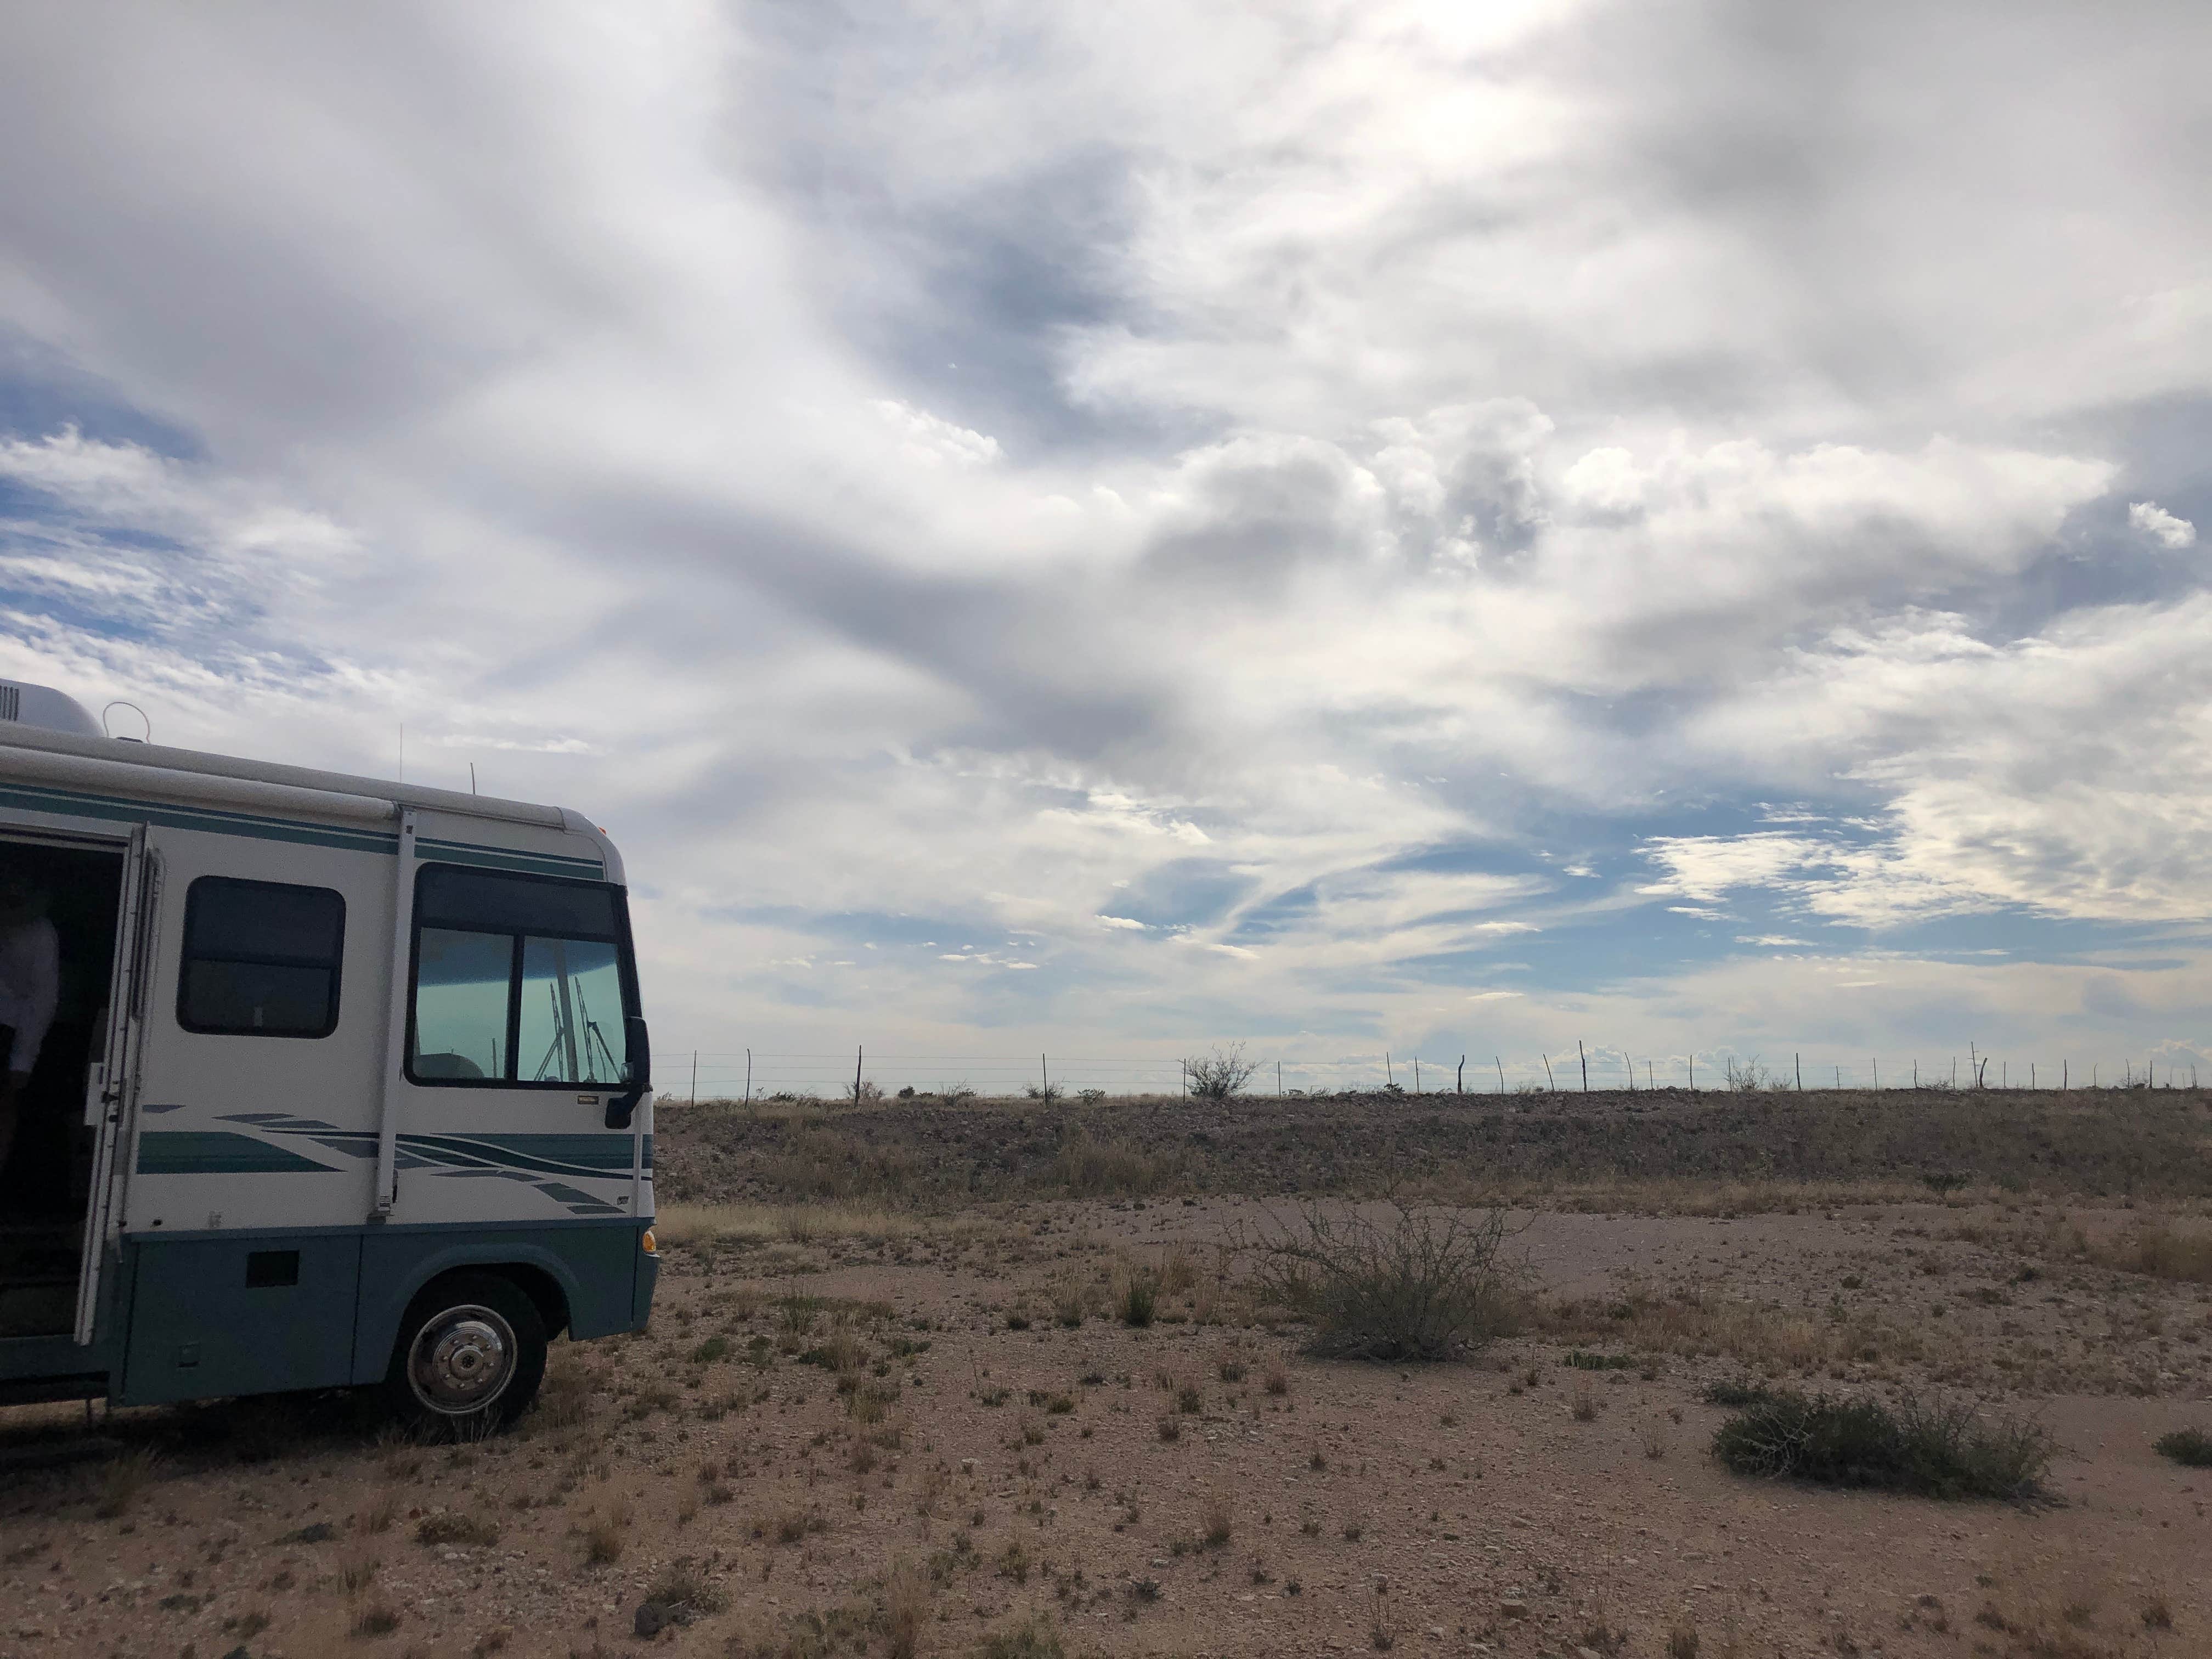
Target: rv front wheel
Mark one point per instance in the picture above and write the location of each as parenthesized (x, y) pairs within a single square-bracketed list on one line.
[(471, 1350)]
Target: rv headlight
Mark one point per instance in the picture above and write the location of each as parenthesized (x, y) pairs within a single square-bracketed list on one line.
[(647, 1243)]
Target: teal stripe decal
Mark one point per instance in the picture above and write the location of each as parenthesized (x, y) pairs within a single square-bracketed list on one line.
[(72, 804), (569, 1155), (218, 1152), (69, 804)]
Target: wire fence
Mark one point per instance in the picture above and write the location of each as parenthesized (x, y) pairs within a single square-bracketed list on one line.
[(765, 1075)]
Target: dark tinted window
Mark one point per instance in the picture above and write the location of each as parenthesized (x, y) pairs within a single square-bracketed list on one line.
[(260, 958), (479, 901)]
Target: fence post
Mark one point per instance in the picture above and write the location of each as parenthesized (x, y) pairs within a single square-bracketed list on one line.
[(1551, 1085), (749, 1077), (1278, 1079), (1799, 1060), (858, 1055), (695, 1077), (1460, 1087), (1585, 1059), (1500, 1059)]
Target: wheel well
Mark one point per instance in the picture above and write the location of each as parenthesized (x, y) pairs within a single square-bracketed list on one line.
[(541, 1287)]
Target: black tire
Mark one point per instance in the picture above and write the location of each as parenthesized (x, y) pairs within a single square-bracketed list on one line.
[(469, 1358)]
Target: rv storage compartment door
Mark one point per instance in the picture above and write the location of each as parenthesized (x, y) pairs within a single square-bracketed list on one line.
[(241, 1313)]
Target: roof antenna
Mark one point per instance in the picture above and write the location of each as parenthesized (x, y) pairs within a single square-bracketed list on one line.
[(119, 703)]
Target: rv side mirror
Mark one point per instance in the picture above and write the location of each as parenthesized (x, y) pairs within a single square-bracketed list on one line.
[(623, 1107)]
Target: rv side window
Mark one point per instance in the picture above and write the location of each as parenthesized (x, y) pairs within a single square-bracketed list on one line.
[(518, 980), (260, 959)]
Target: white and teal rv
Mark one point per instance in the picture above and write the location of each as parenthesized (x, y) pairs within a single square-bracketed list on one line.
[(341, 1083)]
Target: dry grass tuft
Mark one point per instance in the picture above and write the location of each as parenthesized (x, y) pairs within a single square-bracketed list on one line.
[(607, 1535), (906, 1608), (1088, 1168), (564, 1399), (1216, 1523), (682, 1225), (374, 1618), (2162, 1250), (122, 1480)]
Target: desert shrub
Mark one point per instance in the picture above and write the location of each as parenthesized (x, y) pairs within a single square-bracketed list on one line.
[(2191, 1447), (1220, 1074), (1423, 1284), (1933, 1450), (1748, 1076), (678, 1593)]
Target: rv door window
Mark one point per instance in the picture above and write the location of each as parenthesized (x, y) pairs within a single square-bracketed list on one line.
[(260, 958), (520, 981)]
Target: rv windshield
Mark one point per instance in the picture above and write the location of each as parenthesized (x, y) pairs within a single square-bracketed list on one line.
[(522, 980)]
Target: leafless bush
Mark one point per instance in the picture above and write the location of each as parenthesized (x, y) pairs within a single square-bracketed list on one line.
[(1748, 1076), (1220, 1074), (1424, 1283)]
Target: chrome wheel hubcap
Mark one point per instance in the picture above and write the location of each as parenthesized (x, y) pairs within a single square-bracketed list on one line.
[(462, 1361)]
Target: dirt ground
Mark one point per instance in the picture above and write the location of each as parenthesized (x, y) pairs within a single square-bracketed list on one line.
[(840, 1435)]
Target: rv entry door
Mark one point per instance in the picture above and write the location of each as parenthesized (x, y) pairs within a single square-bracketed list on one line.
[(110, 1090)]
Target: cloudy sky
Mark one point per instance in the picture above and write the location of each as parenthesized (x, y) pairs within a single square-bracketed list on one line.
[(1356, 527)]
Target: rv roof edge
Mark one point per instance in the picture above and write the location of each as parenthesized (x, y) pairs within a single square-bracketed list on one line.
[(140, 758), (104, 772)]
